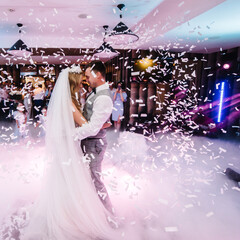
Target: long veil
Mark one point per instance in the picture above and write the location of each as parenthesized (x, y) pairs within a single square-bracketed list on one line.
[(68, 207)]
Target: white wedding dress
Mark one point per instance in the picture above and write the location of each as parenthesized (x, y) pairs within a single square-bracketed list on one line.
[(68, 207)]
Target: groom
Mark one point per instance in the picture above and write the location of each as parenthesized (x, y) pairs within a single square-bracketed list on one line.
[(97, 110)]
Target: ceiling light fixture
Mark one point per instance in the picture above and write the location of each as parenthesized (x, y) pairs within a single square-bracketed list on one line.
[(121, 34), (105, 50), (226, 66), (19, 48)]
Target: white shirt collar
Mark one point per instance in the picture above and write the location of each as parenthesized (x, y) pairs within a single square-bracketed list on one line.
[(102, 87)]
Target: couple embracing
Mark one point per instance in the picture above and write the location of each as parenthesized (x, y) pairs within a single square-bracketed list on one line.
[(74, 203)]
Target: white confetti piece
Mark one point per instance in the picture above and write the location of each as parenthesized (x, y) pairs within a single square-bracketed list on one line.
[(171, 229), (163, 201), (209, 214)]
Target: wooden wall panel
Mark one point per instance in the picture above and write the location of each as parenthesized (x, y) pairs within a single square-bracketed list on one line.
[(142, 101), (163, 98), (151, 99), (134, 95)]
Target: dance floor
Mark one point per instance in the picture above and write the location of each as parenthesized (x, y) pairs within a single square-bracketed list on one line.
[(167, 187)]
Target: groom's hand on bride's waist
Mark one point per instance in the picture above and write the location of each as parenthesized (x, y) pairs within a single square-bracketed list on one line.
[(83, 132)]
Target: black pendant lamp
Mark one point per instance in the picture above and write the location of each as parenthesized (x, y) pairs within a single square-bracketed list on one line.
[(121, 34), (19, 48), (105, 50)]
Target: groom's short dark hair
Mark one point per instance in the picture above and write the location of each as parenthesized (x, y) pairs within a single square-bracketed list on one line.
[(97, 66)]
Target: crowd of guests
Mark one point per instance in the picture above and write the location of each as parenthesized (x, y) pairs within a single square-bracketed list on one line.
[(27, 105)]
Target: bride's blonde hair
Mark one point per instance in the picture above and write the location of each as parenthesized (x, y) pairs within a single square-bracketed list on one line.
[(75, 80)]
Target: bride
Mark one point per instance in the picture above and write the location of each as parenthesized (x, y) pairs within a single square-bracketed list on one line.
[(68, 207)]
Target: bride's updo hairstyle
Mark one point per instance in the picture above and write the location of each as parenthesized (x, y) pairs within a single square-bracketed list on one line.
[(75, 79)]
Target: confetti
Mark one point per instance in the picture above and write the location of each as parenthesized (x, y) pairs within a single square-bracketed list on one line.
[(171, 229)]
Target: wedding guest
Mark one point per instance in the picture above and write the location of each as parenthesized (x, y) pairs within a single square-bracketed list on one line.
[(48, 92), (27, 99), (119, 98), (3, 92), (38, 100), (3, 102), (112, 88), (21, 120), (41, 123)]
